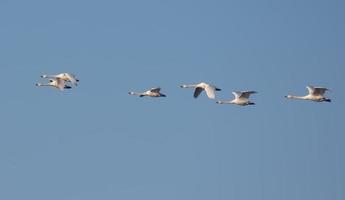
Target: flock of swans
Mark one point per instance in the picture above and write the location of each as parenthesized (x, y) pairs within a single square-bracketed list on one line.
[(62, 81)]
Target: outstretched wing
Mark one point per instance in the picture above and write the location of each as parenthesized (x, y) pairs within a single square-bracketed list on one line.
[(310, 89), (197, 91), (156, 90), (71, 77), (246, 94), (316, 90), (237, 94), (210, 91), (320, 90)]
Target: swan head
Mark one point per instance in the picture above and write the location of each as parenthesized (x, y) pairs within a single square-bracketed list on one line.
[(43, 76), (288, 96), (38, 84), (183, 86)]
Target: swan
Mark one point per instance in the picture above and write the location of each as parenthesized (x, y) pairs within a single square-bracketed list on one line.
[(56, 83), (209, 89), (315, 94), (241, 98), (64, 76), (153, 92)]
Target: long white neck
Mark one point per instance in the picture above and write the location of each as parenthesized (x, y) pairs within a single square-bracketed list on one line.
[(188, 86), (225, 102), (136, 93), (48, 76), (41, 84), (296, 97)]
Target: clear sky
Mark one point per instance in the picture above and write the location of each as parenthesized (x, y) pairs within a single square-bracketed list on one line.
[(97, 142)]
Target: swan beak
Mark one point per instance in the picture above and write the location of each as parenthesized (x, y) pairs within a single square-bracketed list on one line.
[(163, 95), (218, 89)]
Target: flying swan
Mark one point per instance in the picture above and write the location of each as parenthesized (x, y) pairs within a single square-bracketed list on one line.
[(154, 92), (241, 99), (315, 94), (56, 83), (64, 76), (209, 89)]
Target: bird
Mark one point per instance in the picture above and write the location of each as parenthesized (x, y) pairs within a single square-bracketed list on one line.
[(64, 76), (209, 89), (56, 83), (315, 94), (241, 98), (153, 92)]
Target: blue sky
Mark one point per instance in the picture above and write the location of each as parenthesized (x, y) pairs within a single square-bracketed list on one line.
[(97, 142)]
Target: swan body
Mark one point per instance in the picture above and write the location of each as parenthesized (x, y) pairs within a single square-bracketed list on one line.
[(153, 92), (64, 76), (241, 99), (315, 94), (56, 83), (209, 89)]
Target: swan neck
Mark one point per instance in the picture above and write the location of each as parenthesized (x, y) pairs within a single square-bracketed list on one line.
[(296, 97), (189, 86)]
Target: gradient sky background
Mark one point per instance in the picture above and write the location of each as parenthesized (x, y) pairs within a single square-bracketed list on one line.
[(97, 142)]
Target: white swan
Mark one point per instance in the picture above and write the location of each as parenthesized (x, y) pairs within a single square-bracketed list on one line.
[(241, 98), (56, 83), (64, 76), (209, 89), (154, 92), (315, 94)]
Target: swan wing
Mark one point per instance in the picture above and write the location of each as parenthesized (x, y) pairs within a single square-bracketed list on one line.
[(237, 94), (320, 90), (156, 90), (210, 91), (246, 94), (71, 77), (197, 91), (311, 89)]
